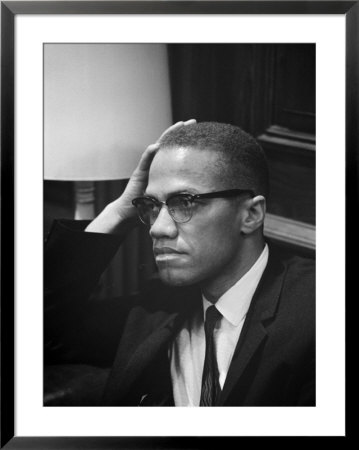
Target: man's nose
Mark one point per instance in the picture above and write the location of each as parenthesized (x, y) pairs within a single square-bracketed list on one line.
[(164, 225)]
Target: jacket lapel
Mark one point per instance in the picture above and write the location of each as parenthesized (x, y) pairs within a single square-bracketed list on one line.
[(149, 332), (262, 309)]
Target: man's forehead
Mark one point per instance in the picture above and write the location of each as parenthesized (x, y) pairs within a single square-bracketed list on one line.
[(183, 168), (187, 158)]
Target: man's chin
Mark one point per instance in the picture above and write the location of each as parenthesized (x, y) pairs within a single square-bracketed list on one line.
[(176, 277)]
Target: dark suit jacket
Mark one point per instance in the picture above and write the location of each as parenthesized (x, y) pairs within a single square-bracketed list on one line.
[(274, 361)]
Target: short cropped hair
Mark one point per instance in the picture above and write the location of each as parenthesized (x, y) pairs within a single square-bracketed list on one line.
[(242, 162)]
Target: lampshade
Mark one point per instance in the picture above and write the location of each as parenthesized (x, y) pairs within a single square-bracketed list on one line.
[(103, 105)]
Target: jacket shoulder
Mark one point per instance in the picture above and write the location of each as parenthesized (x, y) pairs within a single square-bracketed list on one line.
[(300, 273), (296, 305)]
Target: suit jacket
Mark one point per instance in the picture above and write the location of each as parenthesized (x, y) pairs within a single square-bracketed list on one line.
[(274, 360)]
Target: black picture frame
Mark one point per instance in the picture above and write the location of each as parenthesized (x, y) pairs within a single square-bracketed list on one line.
[(9, 10)]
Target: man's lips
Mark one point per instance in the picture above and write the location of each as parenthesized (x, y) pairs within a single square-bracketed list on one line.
[(166, 251)]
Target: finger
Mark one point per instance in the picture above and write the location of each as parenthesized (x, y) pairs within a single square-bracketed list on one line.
[(176, 126), (151, 150), (171, 128), (147, 157), (189, 122)]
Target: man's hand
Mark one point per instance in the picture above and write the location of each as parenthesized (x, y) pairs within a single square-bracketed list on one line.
[(121, 212)]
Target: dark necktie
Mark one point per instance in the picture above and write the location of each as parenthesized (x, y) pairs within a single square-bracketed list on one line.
[(210, 382)]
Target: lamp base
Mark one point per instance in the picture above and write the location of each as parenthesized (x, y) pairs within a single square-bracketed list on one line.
[(84, 200)]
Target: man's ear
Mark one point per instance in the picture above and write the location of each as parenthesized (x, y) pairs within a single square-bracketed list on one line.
[(253, 214)]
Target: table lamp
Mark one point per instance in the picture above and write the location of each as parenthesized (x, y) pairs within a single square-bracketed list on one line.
[(103, 105)]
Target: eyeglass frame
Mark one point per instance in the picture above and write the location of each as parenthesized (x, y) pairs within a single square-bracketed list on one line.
[(192, 198)]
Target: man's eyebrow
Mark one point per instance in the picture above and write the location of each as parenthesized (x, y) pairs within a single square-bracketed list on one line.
[(171, 194)]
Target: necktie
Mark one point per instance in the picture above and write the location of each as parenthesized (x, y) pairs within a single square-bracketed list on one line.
[(210, 383)]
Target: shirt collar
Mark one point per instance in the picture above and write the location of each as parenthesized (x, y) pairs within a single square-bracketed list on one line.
[(234, 303)]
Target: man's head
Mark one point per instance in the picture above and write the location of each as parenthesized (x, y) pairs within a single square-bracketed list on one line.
[(224, 235), (241, 161)]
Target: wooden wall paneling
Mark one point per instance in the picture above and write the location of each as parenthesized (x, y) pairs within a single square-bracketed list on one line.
[(294, 234), (288, 139), (263, 87), (294, 102), (269, 91), (214, 82), (292, 175)]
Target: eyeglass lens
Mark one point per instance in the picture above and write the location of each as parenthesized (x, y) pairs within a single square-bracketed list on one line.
[(179, 207)]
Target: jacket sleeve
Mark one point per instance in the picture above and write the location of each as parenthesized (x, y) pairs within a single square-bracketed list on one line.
[(76, 329)]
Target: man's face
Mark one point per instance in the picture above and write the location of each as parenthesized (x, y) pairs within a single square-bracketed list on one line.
[(206, 249)]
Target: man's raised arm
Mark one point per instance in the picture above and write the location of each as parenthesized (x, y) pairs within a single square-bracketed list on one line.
[(120, 215)]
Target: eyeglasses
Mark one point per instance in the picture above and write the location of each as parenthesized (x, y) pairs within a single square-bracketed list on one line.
[(180, 206)]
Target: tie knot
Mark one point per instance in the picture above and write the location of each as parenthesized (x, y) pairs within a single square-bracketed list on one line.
[(212, 316)]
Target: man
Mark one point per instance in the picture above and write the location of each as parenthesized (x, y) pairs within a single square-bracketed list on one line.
[(230, 325)]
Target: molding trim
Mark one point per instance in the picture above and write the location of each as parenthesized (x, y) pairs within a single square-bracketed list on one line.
[(290, 231), (283, 137)]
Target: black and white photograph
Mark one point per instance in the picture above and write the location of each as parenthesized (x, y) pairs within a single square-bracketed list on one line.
[(179, 208), (177, 180)]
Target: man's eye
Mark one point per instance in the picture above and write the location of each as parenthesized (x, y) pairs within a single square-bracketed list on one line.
[(185, 202), (180, 202), (150, 204)]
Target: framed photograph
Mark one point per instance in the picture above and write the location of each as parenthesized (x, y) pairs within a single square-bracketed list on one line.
[(287, 72)]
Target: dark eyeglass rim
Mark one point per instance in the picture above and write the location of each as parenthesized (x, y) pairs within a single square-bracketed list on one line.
[(191, 198)]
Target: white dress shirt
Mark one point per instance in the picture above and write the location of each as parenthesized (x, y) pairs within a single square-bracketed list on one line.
[(188, 350)]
